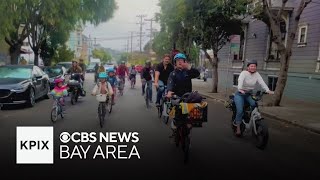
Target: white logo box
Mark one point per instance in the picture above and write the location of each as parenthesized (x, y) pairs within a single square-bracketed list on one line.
[(34, 145)]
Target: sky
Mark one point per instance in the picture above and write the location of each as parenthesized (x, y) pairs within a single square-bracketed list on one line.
[(125, 20)]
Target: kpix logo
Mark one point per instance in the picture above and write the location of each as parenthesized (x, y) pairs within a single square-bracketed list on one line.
[(34, 145)]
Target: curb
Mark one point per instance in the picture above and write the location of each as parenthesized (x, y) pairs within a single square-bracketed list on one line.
[(269, 116)]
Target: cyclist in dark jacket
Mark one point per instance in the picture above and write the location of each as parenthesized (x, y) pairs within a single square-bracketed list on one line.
[(146, 78), (179, 81)]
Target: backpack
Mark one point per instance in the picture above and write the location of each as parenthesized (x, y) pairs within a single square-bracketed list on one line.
[(193, 97)]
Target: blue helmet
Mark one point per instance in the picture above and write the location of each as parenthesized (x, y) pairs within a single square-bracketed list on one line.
[(179, 56), (110, 70), (102, 75)]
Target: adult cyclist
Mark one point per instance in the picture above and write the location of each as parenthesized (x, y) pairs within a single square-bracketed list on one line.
[(122, 70), (179, 81), (162, 73), (146, 78)]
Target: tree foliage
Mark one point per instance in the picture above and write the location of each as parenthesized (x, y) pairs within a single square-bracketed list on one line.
[(42, 18), (104, 56)]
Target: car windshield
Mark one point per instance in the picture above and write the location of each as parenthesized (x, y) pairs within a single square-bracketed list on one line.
[(15, 72), (53, 71)]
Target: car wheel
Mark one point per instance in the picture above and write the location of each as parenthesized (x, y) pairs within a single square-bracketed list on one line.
[(32, 100)]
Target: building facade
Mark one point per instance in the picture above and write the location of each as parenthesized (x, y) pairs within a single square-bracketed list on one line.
[(255, 43)]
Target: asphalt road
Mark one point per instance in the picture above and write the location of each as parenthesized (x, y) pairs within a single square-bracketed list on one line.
[(291, 153)]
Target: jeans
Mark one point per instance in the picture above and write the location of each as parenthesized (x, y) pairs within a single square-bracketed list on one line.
[(160, 91), (150, 88), (240, 100)]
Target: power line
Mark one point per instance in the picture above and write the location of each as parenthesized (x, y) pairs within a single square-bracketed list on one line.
[(151, 32), (141, 23)]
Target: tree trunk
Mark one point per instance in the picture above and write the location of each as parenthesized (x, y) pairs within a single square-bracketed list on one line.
[(214, 74), (36, 58), (14, 53), (282, 79)]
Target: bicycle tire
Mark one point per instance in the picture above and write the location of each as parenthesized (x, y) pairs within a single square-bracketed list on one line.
[(101, 114), (160, 108), (54, 114), (147, 100), (109, 106), (72, 99), (61, 112)]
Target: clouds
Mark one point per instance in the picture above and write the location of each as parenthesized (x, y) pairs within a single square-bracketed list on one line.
[(123, 21)]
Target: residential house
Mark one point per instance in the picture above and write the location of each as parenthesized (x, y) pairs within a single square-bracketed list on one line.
[(75, 41), (255, 43)]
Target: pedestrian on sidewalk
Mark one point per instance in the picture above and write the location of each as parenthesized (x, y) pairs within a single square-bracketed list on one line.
[(246, 83)]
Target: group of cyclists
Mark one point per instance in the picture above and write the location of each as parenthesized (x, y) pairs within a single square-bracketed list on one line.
[(175, 75)]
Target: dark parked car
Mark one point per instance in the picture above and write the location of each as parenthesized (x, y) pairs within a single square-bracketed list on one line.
[(21, 84), (55, 72)]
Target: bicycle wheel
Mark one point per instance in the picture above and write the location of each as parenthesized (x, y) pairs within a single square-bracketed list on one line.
[(109, 105), (160, 108), (54, 114), (72, 98), (102, 113), (147, 98), (185, 143), (61, 112)]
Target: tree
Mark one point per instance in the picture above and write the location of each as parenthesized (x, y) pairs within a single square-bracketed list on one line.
[(213, 23), (40, 17), (63, 54), (273, 17), (104, 56)]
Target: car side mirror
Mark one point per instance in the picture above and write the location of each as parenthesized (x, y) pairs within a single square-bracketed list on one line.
[(38, 77)]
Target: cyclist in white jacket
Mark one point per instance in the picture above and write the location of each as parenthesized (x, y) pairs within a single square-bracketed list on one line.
[(246, 83)]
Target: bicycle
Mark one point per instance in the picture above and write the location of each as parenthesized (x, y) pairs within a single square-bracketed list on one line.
[(185, 122), (164, 106), (133, 82), (104, 104), (252, 120), (56, 109), (147, 94), (121, 86)]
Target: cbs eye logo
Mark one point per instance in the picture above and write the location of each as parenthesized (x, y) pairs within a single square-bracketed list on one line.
[(65, 137)]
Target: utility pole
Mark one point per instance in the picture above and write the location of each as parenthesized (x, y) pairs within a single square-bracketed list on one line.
[(131, 38), (151, 32), (141, 23)]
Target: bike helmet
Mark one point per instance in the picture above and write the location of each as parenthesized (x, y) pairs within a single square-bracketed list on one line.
[(102, 75), (58, 80), (179, 56), (252, 62)]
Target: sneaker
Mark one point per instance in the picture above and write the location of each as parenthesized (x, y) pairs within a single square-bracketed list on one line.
[(158, 104)]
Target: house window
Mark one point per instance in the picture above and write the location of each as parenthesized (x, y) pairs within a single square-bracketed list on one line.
[(235, 79), (302, 38), (272, 82)]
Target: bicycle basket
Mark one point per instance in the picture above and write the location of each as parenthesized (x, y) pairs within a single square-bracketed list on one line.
[(101, 97), (199, 114)]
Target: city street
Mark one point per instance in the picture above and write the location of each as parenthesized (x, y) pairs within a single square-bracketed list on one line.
[(291, 153)]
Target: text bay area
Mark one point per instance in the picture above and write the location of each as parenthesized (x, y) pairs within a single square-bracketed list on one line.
[(100, 152)]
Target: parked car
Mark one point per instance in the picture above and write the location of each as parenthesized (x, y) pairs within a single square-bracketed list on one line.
[(90, 68), (67, 65), (22, 84), (55, 72), (139, 68)]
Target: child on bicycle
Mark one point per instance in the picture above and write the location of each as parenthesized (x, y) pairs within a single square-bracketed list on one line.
[(59, 91), (112, 79), (103, 86)]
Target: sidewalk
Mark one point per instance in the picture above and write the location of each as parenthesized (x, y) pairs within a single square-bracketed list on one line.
[(302, 114)]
